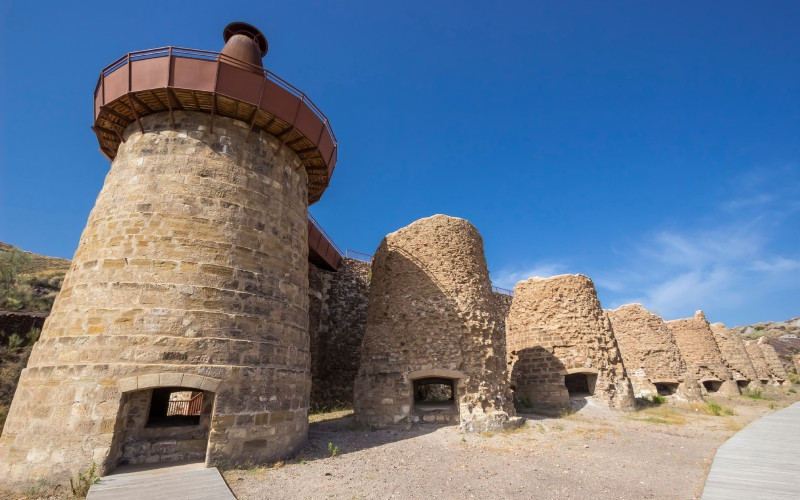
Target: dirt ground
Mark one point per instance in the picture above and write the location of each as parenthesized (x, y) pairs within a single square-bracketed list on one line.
[(655, 452)]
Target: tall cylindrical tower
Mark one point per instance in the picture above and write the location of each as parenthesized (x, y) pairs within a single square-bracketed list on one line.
[(181, 330)]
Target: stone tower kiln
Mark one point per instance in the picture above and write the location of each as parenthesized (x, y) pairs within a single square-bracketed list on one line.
[(560, 344), (702, 355), (181, 330), (433, 350), (734, 355), (652, 358)]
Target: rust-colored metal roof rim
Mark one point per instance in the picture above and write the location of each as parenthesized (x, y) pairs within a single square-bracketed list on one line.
[(169, 79)]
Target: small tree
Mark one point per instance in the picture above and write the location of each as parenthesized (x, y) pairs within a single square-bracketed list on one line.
[(11, 263)]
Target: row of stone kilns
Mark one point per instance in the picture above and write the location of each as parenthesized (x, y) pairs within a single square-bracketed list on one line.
[(434, 321)]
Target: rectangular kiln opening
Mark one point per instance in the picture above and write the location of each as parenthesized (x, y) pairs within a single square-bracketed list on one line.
[(742, 383), (666, 388), (164, 424), (435, 400), (580, 384), (712, 385)]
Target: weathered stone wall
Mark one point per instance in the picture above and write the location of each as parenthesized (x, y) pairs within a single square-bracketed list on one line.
[(556, 327), (701, 353), (19, 323), (734, 355), (650, 353), (338, 319), (432, 314), (776, 370), (756, 356), (191, 272)]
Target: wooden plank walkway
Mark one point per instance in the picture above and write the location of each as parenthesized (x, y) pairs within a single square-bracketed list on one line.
[(760, 461), (185, 482)]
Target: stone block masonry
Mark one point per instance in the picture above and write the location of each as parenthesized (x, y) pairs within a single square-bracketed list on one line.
[(433, 350), (735, 355), (756, 356), (702, 355), (192, 273), (337, 322), (651, 356), (777, 371), (559, 340)]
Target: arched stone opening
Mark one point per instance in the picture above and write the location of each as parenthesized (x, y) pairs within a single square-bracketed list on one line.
[(435, 396), (742, 383), (435, 400), (666, 388), (712, 385), (580, 384), (163, 418)]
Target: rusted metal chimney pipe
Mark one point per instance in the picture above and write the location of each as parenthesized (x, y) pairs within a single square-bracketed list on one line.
[(245, 43)]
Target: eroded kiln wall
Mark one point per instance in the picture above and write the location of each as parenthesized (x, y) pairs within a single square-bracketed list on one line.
[(776, 369), (191, 271), (431, 308), (734, 353), (649, 352), (557, 326), (699, 349)]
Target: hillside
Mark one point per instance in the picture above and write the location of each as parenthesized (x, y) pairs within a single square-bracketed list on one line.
[(29, 282), (784, 336)]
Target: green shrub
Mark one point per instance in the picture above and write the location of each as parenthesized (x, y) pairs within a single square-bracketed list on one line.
[(658, 399), (333, 449), (756, 393), (15, 341), (81, 484)]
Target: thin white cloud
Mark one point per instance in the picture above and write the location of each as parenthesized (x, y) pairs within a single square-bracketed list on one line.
[(508, 277), (731, 266)]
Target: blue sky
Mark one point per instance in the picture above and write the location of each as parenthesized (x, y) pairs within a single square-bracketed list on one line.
[(653, 146)]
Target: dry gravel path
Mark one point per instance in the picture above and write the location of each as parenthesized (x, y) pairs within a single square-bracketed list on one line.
[(662, 452)]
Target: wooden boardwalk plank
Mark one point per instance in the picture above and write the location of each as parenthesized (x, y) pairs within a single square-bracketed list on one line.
[(184, 483), (760, 461)]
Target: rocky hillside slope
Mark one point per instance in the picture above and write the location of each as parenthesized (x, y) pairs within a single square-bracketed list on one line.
[(784, 336)]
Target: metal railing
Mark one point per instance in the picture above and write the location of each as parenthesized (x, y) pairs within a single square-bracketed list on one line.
[(352, 254), (208, 55), (504, 291), (324, 234), (186, 407)]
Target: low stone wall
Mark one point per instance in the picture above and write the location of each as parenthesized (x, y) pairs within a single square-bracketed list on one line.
[(337, 320), (19, 323)]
